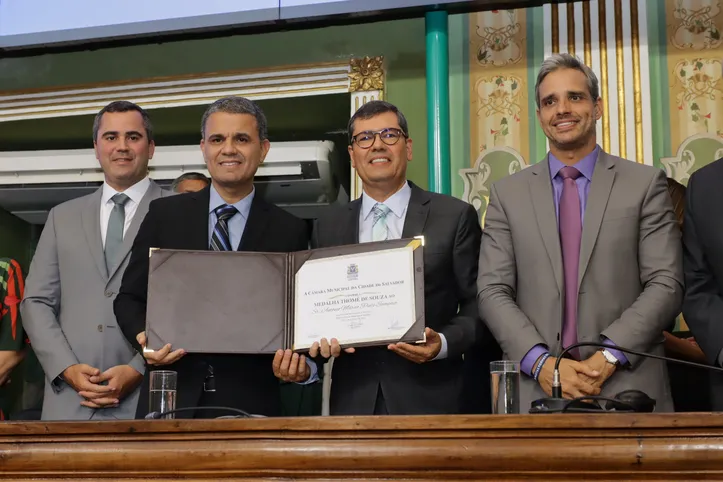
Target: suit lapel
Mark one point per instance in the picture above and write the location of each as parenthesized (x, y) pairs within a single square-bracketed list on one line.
[(417, 212), (253, 235), (543, 204), (349, 233), (602, 184), (153, 192), (91, 226)]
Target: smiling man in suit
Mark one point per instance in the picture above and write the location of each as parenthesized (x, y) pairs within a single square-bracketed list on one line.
[(583, 246), (227, 215), (402, 379), (92, 372)]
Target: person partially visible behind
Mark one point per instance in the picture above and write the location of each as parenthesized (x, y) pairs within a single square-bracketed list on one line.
[(703, 266), (689, 385), (13, 342), (189, 182)]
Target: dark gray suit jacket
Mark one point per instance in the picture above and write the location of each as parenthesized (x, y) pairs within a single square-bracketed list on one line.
[(703, 267), (452, 237)]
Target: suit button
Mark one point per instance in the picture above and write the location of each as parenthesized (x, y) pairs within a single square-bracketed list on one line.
[(100, 327), (108, 294)]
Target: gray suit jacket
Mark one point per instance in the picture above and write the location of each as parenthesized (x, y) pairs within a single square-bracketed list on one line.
[(630, 275), (68, 305)]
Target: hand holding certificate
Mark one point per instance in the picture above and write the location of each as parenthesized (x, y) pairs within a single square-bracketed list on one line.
[(245, 302)]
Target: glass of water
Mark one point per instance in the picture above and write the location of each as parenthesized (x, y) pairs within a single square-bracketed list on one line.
[(163, 392), (505, 380)]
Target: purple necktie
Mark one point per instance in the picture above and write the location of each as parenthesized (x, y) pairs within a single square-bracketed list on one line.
[(570, 237)]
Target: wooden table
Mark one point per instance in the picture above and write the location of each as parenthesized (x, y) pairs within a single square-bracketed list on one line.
[(542, 447)]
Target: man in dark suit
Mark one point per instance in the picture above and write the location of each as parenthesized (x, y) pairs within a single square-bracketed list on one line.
[(402, 378), (703, 268), (228, 215)]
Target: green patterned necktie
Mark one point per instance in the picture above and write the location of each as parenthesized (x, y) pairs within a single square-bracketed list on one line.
[(380, 230), (114, 235)]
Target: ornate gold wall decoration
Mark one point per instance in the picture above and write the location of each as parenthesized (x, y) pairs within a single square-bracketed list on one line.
[(498, 45), (696, 27), (701, 97), (366, 74), (499, 114)]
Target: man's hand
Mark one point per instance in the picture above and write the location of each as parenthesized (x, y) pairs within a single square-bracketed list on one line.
[(419, 353), (78, 376), (598, 363), (9, 359), (121, 379), (571, 378), (290, 367), (327, 349), (164, 356)]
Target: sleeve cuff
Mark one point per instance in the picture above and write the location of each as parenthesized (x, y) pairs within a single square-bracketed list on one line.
[(528, 361), (314, 370), (616, 353), (442, 351)]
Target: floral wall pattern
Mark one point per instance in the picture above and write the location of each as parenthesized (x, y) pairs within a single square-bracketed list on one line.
[(660, 65)]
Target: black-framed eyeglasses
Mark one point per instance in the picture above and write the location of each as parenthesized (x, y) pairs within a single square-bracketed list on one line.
[(388, 136)]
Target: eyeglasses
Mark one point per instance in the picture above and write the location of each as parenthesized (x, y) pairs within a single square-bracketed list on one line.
[(388, 136)]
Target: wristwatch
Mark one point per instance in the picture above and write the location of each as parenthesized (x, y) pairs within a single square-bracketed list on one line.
[(609, 356)]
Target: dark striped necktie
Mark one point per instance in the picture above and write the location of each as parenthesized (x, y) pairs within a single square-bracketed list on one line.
[(220, 240)]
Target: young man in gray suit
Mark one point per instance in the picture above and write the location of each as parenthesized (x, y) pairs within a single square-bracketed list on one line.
[(92, 372), (582, 246), (401, 379)]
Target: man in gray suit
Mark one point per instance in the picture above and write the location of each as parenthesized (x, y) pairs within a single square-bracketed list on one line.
[(92, 372), (582, 246)]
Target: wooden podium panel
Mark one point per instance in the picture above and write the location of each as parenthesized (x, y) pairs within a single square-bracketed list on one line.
[(420, 448)]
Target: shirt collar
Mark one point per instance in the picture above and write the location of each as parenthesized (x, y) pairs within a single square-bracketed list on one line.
[(135, 192), (586, 165), (397, 202), (243, 206)]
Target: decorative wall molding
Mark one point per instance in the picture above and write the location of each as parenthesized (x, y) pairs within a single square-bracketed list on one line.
[(363, 78)]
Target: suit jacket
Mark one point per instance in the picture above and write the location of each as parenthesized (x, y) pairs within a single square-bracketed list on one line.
[(68, 305), (452, 233), (181, 222), (703, 265), (630, 277)]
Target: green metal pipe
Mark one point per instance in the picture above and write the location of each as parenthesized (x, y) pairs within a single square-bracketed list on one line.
[(437, 43)]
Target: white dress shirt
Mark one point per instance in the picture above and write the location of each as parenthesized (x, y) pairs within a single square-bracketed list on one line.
[(398, 204), (135, 193)]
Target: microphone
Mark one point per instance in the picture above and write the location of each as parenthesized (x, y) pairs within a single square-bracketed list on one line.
[(239, 413), (627, 400)]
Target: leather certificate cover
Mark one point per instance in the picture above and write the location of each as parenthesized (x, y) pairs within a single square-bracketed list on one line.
[(235, 302), (216, 302)]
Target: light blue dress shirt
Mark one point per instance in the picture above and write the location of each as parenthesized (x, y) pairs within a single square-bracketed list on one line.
[(237, 223), (398, 204)]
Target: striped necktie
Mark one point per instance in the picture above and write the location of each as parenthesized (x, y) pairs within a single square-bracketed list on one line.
[(220, 240), (380, 230)]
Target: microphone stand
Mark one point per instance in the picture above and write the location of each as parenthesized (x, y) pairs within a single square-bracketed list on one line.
[(557, 404)]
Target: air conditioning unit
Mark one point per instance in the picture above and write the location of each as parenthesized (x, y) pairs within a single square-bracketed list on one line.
[(298, 176)]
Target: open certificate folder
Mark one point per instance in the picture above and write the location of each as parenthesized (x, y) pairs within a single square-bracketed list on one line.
[(249, 302)]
